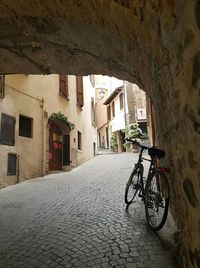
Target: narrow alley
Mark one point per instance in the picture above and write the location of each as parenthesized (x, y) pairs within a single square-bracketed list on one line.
[(79, 219)]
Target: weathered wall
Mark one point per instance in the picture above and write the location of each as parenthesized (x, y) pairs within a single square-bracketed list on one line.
[(24, 95), (152, 43), (135, 99)]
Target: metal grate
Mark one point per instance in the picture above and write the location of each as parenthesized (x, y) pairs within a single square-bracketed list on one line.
[(12, 164), (2, 86)]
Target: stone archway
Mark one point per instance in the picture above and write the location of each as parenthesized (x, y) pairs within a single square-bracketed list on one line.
[(152, 43)]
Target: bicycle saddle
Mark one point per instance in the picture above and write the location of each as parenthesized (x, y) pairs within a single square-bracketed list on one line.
[(155, 152)]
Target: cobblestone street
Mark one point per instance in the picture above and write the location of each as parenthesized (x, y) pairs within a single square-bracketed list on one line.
[(78, 219)]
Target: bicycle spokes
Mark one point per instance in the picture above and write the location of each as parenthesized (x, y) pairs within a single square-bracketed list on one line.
[(132, 187), (156, 201)]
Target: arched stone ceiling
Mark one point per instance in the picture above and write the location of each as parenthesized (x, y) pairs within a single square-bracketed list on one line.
[(155, 43), (117, 37)]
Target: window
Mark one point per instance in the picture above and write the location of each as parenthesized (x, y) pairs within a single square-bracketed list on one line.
[(25, 126), (7, 129), (121, 101), (79, 140), (143, 126), (113, 109), (2, 86), (79, 90), (92, 80), (12, 161), (108, 112), (63, 85), (93, 110)]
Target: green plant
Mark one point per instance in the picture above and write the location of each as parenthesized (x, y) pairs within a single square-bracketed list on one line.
[(113, 141), (133, 132), (62, 117)]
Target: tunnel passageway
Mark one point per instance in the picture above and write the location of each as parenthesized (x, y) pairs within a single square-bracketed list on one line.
[(152, 43)]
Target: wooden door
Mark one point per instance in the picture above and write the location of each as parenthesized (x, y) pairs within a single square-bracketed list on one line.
[(66, 149), (55, 147)]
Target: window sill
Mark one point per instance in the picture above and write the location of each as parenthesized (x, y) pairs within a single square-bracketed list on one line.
[(30, 138), (63, 96), (79, 106), (7, 144)]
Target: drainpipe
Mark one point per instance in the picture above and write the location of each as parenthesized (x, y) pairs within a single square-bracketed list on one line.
[(42, 105), (152, 122), (18, 168), (125, 114)]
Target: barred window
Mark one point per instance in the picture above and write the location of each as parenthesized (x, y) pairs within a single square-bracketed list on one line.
[(2, 86), (79, 140)]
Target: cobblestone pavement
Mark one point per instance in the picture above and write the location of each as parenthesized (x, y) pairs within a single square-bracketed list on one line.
[(78, 219)]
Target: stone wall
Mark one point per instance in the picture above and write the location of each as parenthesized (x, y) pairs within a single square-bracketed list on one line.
[(152, 43)]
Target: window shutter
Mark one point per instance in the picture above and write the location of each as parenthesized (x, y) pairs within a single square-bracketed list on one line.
[(113, 109), (121, 99), (79, 90), (63, 85), (2, 86), (7, 129), (108, 112), (12, 164)]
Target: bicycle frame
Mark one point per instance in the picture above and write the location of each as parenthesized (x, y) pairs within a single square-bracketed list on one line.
[(141, 171), (152, 188)]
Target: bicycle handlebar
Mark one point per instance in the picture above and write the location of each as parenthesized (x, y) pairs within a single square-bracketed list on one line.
[(137, 143), (152, 151)]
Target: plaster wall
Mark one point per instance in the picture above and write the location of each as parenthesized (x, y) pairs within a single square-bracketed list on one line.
[(38, 97), (118, 122)]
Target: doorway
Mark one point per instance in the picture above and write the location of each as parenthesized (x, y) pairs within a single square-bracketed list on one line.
[(55, 147)]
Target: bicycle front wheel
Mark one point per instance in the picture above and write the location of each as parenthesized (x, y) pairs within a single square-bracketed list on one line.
[(156, 200), (132, 186)]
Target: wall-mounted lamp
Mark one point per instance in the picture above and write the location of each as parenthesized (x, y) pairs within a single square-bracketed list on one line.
[(101, 92)]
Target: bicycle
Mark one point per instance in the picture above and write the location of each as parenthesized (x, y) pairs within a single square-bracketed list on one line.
[(154, 189)]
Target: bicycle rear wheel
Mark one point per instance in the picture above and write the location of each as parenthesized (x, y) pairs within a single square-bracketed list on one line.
[(132, 186), (156, 200)]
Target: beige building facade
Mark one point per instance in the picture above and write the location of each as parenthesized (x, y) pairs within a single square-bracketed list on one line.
[(123, 103), (47, 124)]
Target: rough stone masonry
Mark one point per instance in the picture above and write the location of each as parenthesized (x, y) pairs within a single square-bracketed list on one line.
[(153, 43)]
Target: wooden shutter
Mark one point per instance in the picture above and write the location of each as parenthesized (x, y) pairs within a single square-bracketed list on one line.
[(79, 90), (63, 85), (2, 86), (108, 112), (12, 164), (121, 100), (7, 129), (113, 109)]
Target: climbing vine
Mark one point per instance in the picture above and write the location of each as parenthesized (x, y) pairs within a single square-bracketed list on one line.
[(60, 116)]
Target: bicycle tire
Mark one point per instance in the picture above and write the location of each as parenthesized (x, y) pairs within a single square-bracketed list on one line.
[(131, 186), (155, 199)]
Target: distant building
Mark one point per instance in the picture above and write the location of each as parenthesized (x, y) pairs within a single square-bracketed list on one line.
[(47, 124), (124, 103)]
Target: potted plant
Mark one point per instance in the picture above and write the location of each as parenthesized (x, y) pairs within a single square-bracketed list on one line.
[(133, 132), (113, 142)]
